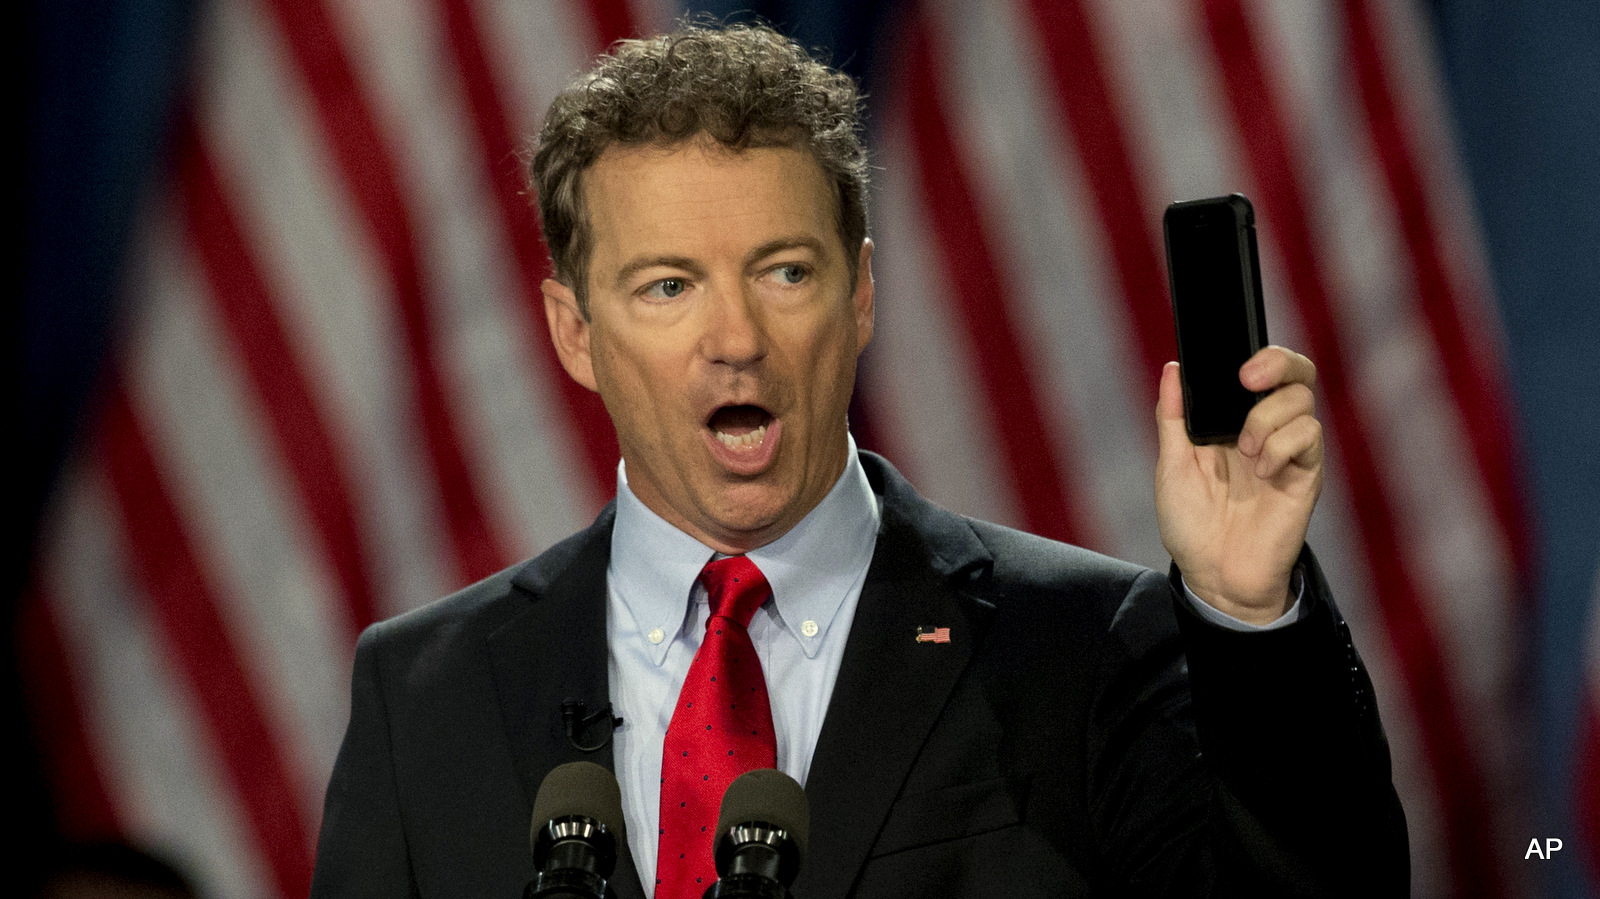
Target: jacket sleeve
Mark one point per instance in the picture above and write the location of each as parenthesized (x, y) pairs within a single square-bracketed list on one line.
[(1290, 792), (1288, 722), (362, 848)]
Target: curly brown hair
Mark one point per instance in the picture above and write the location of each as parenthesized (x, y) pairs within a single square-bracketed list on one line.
[(743, 85)]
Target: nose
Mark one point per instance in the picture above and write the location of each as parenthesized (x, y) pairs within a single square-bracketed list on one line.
[(734, 330)]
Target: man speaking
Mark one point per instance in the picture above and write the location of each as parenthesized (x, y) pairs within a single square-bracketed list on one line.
[(973, 711)]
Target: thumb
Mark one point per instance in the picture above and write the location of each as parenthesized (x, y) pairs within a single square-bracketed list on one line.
[(1172, 436)]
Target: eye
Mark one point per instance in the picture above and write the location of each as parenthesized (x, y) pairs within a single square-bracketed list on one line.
[(791, 274), (666, 289)]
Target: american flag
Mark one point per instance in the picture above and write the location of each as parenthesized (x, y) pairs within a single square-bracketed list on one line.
[(333, 400)]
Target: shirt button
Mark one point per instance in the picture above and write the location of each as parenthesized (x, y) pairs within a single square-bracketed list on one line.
[(657, 635), (808, 627)]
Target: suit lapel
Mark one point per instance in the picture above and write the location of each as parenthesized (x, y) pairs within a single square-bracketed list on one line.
[(554, 650), (891, 688)]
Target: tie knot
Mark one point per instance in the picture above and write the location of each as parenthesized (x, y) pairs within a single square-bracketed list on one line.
[(735, 588)]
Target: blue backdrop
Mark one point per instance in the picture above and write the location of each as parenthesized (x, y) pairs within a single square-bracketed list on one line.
[(1524, 78)]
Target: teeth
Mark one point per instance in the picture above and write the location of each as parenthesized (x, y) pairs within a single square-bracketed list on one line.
[(743, 442)]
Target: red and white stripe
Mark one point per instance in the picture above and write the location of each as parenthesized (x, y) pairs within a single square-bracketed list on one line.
[(1069, 125), (334, 399)]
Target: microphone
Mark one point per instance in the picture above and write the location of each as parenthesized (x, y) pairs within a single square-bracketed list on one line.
[(577, 720), (577, 825), (762, 833)]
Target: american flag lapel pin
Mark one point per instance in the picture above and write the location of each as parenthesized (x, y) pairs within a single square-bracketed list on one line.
[(933, 635)]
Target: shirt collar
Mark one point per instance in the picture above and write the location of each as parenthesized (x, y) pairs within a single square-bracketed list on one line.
[(812, 568)]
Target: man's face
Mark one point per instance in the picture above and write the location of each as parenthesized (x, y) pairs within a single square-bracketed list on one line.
[(723, 332)]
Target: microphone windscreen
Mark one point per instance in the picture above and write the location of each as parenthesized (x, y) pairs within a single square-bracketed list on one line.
[(769, 796), (580, 788)]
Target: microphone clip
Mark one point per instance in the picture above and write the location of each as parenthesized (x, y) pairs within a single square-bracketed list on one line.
[(578, 721)]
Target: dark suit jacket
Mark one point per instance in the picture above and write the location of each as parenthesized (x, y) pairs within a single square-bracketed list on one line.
[(1082, 733)]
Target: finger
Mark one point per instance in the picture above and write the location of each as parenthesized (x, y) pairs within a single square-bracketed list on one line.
[(1171, 435), (1299, 442), (1275, 410), (1275, 366)]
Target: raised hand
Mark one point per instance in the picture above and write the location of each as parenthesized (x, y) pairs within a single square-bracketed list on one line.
[(1234, 517)]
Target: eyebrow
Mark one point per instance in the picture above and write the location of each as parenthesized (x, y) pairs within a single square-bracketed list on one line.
[(797, 242), (639, 264)]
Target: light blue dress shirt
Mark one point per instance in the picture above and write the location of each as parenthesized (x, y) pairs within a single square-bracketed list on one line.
[(656, 617), (655, 620)]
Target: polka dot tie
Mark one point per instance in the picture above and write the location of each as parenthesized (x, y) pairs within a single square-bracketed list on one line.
[(721, 728)]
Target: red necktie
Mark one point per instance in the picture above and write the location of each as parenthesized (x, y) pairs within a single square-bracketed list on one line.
[(721, 728)]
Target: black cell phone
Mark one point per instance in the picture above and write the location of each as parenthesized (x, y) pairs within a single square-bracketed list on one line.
[(1216, 302)]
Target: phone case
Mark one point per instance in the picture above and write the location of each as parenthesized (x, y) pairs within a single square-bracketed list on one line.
[(1214, 411)]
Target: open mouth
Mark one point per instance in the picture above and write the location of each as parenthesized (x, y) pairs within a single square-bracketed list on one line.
[(740, 427)]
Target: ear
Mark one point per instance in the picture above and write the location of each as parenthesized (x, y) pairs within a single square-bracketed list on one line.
[(863, 298), (569, 331)]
